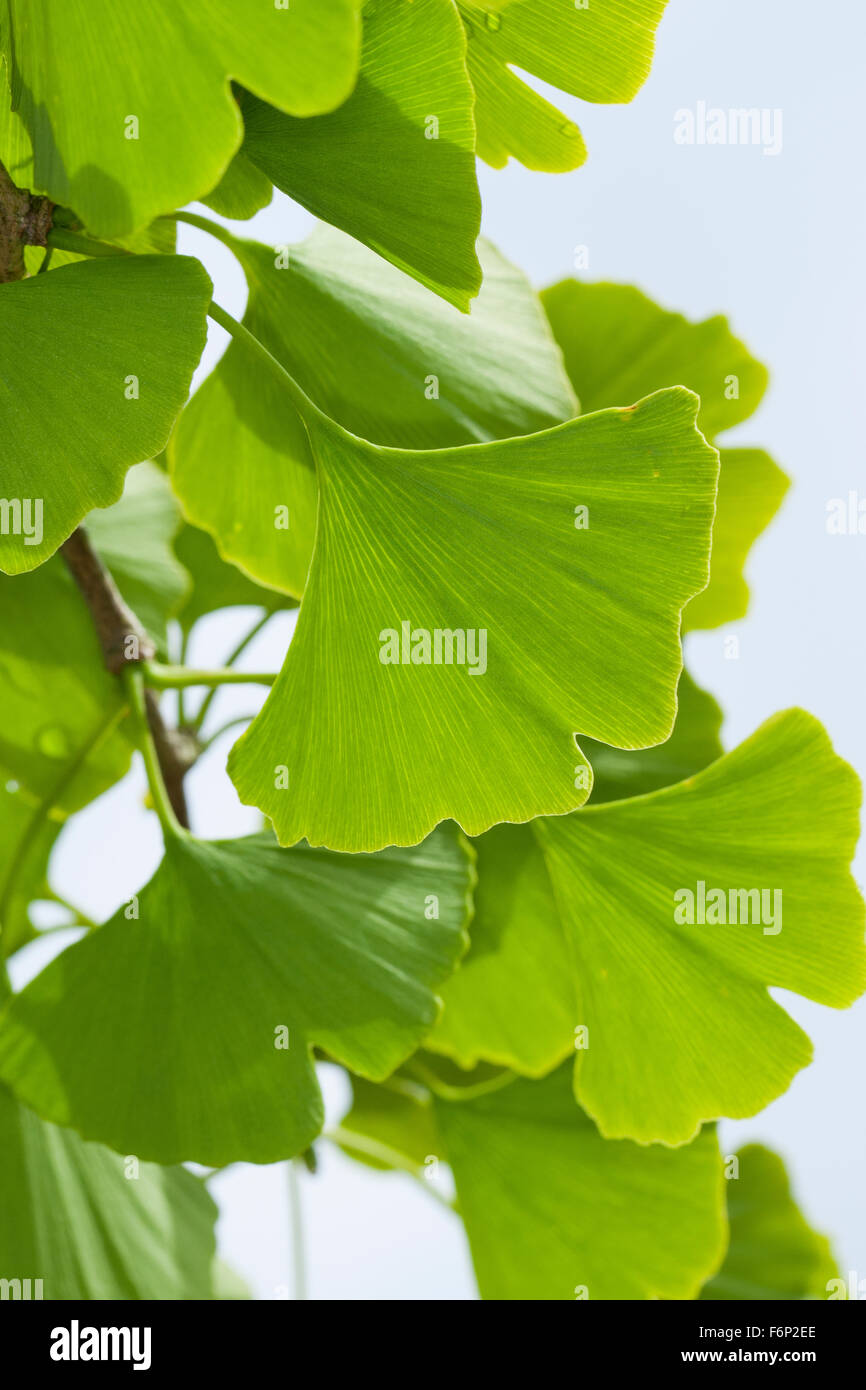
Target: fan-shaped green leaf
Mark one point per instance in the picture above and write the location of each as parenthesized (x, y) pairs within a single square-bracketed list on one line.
[(600, 51), (554, 1211), (751, 489), (89, 1224), (619, 345), (95, 363), (695, 742), (671, 1019), (681, 1029), (382, 733), (395, 165), (242, 191), (376, 353), (186, 1033), (159, 123), (774, 1253), (61, 732), (510, 1001), (513, 999)]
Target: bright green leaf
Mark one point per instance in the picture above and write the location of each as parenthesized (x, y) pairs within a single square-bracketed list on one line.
[(774, 1253), (95, 363), (670, 1023), (693, 744), (601, 52), (77, 1217), (378, 753), (395, 165), (242, 191), (376, 353), (159, 123), (552, 1209), (187, 1033), (681, 1028), (619, 345), (511, 1001), (751, 489)]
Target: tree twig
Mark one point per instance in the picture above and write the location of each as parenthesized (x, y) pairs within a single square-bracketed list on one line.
[(124, 642), (25, 220), (121, 635)]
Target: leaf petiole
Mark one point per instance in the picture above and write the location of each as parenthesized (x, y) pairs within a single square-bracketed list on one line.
[(80, 919), (59, 239), (373, 1149), (133, 680), (307, 409), (164, 677)]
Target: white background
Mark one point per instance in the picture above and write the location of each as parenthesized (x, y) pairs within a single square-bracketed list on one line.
[(776, 243)]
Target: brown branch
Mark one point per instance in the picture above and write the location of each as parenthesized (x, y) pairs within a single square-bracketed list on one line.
[(176, 757), (123, 641), (121, 635), (25, 220)]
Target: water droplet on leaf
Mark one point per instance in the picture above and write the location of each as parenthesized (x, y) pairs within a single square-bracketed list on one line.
[(53, 741), (494, 22)]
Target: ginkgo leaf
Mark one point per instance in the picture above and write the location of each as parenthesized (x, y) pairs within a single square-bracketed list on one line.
[(395, 165), (680, 1025), (89, 1224), (27, 837), (160, 124), (215, 582), (242, 191), (378, 354), (512, 999), (95, 363), (618, 345), (427, 680), (599, 51), (554, 1211), (751, 488), (670, 1021), (774, 1253), (185, 1032), (62, 730), (134, 539), (694, 743), (509, 1001)]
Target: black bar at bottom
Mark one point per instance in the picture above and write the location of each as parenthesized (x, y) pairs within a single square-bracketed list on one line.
[(69, 1339)]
